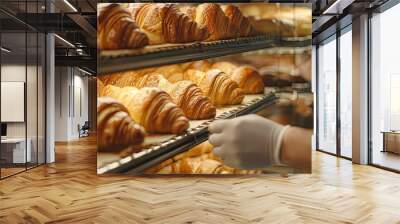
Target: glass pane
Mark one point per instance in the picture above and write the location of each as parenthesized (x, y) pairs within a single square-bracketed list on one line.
[(385, 89), (327, 96), (346, 94), (41, 99), (13, 86), (313, 80), (32, 87), (31, 99)]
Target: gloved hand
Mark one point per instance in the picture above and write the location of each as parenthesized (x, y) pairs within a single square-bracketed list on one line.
[(247, 142)]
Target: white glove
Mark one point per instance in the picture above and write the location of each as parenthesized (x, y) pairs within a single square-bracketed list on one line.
[(247, 142)]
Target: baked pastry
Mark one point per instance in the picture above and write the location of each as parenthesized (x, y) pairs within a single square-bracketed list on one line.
[(236, 18), (216, 85), (273, 27), (202, 65), (278, 19), (173, 73), (100, 88), (210, 15), (185, 94), (117, 30), (115, 128), (150, 107), (245, 76), (300, 18), (164, 23), (198, 160)]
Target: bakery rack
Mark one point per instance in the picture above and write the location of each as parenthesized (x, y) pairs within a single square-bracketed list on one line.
[(150, 56), (148, 157)]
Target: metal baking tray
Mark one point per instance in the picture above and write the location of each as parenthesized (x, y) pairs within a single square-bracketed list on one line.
[(111, 61), (137, 162)]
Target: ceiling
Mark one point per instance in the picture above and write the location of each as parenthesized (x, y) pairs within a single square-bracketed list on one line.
[(329, 15), (72, 20)]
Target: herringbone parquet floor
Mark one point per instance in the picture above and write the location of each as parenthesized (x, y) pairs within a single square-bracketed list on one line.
[(69, 191)]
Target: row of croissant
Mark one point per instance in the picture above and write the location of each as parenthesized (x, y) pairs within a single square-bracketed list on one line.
[(163, 99), (158, 23), (198, 160)]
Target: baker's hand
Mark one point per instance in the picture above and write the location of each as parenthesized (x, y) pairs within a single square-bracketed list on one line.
[(247, 142)]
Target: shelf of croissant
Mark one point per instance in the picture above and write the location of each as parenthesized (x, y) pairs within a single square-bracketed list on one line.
[(121, 60), (158, 148), (137, 36)]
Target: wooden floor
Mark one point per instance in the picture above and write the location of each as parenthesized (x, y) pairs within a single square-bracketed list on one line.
[(5, 172), (387, 159), (69, 191)]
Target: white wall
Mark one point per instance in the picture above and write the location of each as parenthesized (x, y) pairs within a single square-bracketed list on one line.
[(14, 73), (80, 84), (70, 83), (33, 127), (61, 103)]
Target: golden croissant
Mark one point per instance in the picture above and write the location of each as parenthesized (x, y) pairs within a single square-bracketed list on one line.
[(245, 76), (115, 128), (185, 94), (214, 83), (164, 23), (202, 65), (173, 73), (210, 15), (198, 160), (100, 87), (239, 21), (150, 107), (117, 30)]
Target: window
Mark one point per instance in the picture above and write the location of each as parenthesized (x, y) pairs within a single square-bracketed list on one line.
[(327, 96), (22, 75), (385, 88), (346, 92)]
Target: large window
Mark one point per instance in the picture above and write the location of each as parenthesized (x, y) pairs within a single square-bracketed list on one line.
[(346, 92), (385, 89), (22, 90), (331, 134), (327, 96)]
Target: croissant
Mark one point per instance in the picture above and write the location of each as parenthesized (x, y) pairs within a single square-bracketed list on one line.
[(246, 77), (115, 128), (100, 88), (210, 15), (213, 83), (150, 107), (202, 65), (216, 85), (117, 30), (173, 73), (164, 23), (198, 160), (185, 94), (241, 23)]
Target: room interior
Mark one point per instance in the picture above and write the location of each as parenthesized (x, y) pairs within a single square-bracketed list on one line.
[(39, 108), (48, 128)]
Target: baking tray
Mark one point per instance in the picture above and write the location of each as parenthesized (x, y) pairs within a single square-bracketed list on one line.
[(163, 147), (111, 61)]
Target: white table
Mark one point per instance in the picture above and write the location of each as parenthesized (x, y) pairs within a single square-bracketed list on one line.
[(17, 147)]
